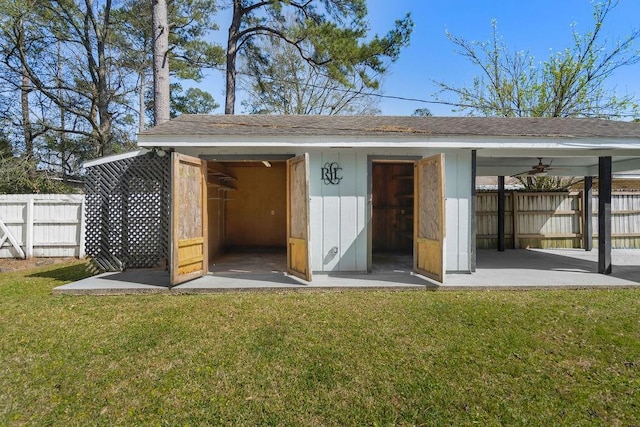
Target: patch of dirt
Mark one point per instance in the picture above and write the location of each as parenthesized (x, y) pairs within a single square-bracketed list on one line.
[(12, 264)]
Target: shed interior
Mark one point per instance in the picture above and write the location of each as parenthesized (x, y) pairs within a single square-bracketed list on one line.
[(392, 197), (247, 213)]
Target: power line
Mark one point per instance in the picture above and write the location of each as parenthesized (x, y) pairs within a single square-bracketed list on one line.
[(384, 96), (338, 89)]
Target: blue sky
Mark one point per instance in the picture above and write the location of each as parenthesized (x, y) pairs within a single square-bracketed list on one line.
[(537, 26)]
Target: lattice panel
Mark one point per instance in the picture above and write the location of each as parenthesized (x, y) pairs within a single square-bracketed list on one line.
[(127, 216)]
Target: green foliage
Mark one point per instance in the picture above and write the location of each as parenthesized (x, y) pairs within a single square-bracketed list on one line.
[(84, 62), (422, 112), (278, 81), (189, 51), (61, 53), (342, 52), (331, 35), (66, 152), (336, 358), (546, 183), (6, 149), (18, 176), (570, 83), (193, 101)]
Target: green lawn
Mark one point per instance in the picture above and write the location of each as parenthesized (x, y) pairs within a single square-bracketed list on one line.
[(320, 358)]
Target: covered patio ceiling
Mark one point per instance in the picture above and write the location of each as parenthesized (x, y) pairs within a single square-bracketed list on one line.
[(493, 162)]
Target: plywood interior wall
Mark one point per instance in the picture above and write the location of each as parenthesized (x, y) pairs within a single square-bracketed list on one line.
[(215, 208), (255, 213), (392, 196)]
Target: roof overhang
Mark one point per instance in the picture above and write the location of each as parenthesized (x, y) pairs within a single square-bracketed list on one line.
[(115, 157), (504, 146), (562, 163), (474, 143)]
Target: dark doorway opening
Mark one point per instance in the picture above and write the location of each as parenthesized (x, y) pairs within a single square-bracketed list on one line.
[(392, 189)]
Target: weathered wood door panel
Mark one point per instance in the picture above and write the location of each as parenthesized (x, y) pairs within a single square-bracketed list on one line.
[(429, 217), (189, 259), (298, 251)]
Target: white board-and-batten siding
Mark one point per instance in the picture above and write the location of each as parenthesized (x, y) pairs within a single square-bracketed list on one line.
[(459, 217), (341, 214), (47, 225)]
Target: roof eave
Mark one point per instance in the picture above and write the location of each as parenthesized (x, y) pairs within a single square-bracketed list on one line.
[(393, 141), (115, 157)]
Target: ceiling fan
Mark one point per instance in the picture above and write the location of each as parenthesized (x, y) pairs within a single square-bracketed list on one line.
[(537, 170)]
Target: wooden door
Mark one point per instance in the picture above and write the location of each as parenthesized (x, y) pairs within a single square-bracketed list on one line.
[(429, 216), (189, 259), (298, 253)]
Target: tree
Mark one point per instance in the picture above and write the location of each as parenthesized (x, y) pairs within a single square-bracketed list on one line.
[(192, 101), (20, 37), (133, 35), (6, 150), (422, 112), (279, 81), (161, 91), (189, 53), (546, 183), (327, 34), (17, 177), (571, 83), (92, 89), (66, 83)]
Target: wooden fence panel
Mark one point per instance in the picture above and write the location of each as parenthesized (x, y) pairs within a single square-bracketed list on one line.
[(487, 220), (546, 220), (42, 225), (625, 220), (554, 220)]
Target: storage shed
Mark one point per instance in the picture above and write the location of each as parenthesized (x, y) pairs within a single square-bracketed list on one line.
[(331, 193)]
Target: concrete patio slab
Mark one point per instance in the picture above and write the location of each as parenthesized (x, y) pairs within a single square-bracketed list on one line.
[(512, 269), (548, 268)]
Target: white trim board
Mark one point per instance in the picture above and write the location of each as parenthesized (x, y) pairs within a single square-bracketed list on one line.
[(115, 157), (479, 143)]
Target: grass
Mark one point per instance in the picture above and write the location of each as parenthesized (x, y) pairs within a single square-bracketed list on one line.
[(350, 358)]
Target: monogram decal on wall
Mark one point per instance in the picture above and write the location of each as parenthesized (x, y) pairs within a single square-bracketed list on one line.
[(330, 173)]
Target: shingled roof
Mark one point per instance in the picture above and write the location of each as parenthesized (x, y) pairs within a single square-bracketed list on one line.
[(292, 125)]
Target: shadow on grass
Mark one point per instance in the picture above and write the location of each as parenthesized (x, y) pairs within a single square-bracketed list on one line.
[(67, 273)]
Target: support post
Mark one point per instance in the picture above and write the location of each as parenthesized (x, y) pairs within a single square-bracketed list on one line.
[(587, 214), (604, 215), (82, 252), (29, 226), (474, 217), (501, 203), (514, 220)]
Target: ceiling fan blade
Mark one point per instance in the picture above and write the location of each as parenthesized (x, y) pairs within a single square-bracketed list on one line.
[(529, 172)]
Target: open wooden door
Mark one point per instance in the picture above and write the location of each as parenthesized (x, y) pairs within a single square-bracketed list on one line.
[(429, 216), (298, 253), (189, 259)]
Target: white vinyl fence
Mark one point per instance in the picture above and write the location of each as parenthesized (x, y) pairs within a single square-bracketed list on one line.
[(42, 225)]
